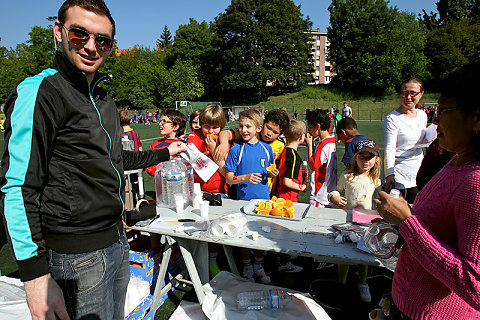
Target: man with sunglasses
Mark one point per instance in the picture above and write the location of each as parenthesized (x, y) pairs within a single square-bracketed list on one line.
[(63, 187)]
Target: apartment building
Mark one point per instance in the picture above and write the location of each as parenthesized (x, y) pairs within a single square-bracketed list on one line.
[(319, 57)]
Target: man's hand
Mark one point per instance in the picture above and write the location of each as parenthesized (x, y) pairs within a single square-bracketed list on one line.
[(175, 148), (45, 299)]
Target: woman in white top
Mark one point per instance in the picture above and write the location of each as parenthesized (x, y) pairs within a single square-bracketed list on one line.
[(403, 131)]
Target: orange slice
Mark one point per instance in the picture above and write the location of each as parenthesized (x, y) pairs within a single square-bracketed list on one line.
[(290, 210), (213, 136), (274, 198), (268, 206), (280, 200), (271, 167), (261, 205), (265, 212), (276, 212), (288, 203), (279, 205)]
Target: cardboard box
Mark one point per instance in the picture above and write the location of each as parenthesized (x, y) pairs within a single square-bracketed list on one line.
[(145, 310)]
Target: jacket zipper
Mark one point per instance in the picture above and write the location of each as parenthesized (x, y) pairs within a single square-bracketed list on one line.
[(90, 93)]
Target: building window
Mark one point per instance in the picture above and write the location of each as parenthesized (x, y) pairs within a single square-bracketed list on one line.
[(318, 57), (327, 78), (318, 37), (317, 78), (318, 48), (327, 68)]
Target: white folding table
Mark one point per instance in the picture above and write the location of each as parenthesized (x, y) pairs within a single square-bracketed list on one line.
[(309, 237)]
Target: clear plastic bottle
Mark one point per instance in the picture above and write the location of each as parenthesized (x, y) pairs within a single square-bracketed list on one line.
[(263, 299), (172, 176), (159, 185), (304, 172), (188, 182)]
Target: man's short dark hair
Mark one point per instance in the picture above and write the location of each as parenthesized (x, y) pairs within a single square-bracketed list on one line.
[(279, 117), (346, 123), (177, 118), (319, 116), (97, 6)]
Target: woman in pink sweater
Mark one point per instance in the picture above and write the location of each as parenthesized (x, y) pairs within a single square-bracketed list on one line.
[(438, 271)]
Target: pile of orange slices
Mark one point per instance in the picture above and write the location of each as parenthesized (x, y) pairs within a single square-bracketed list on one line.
[(276, 207)]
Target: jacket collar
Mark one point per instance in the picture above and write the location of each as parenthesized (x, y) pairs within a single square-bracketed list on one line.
[(76, 77)]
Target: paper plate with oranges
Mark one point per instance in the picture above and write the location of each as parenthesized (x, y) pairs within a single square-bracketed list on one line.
[(277, 208)]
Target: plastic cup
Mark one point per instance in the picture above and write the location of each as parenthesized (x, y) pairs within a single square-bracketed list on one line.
[(179, 203), (204, 209)]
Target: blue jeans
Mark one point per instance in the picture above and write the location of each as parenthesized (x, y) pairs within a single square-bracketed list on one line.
[(94, 284)]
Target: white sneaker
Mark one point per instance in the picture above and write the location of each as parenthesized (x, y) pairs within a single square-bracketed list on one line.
[(289, 267), (263, 276), (248, 272), (364, 292)]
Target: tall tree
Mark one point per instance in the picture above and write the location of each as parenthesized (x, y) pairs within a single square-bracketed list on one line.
[(261, 42), (42, 47), (165, 41), (450, 11), (374, 47)]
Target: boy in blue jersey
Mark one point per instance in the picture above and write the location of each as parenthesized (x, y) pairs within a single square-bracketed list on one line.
[(348, 134), (246, 167)]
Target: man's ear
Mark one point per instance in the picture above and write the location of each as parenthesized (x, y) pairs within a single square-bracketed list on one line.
[(57, 31)]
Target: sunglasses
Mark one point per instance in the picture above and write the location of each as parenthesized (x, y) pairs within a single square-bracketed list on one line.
[(412, 94), (163, 121), (79, 37)]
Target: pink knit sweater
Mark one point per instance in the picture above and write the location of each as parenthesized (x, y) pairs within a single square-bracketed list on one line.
[(438, 272)]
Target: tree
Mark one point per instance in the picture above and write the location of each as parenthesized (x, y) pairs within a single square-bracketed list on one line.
[(261, 42), (452, 45), (450, 11), (165, 41), (374, 48), (42, 47)]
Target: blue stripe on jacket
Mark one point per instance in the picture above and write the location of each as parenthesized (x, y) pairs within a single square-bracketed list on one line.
[(21, 143)]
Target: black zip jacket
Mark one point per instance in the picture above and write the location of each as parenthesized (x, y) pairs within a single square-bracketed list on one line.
[(63, 183)]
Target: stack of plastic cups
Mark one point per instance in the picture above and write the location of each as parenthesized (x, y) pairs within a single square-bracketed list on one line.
[(197, 196)]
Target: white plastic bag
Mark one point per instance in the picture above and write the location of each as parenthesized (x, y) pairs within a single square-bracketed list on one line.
[(203, 165), (137, 290)]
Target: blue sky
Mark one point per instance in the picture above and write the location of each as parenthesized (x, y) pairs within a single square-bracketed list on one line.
[(141, 22)]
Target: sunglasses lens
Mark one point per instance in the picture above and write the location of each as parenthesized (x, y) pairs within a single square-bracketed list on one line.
[(104, 43), (78, 35)]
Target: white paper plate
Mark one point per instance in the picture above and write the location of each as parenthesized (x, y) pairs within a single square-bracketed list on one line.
[(301, 210)]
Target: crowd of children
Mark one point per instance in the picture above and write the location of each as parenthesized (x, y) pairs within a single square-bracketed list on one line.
[(260, 141)]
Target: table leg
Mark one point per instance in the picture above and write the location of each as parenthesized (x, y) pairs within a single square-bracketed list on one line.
[(167, 252), (231, 261), (192, 270)]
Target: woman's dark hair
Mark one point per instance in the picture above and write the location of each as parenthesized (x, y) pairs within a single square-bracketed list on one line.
[(97, 6), (319, 116), (178, 119), (462, 84)]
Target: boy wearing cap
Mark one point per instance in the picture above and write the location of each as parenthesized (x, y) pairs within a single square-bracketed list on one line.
[(348, 134)]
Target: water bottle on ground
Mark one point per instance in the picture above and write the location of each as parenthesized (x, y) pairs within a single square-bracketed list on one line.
[(263, 299)]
